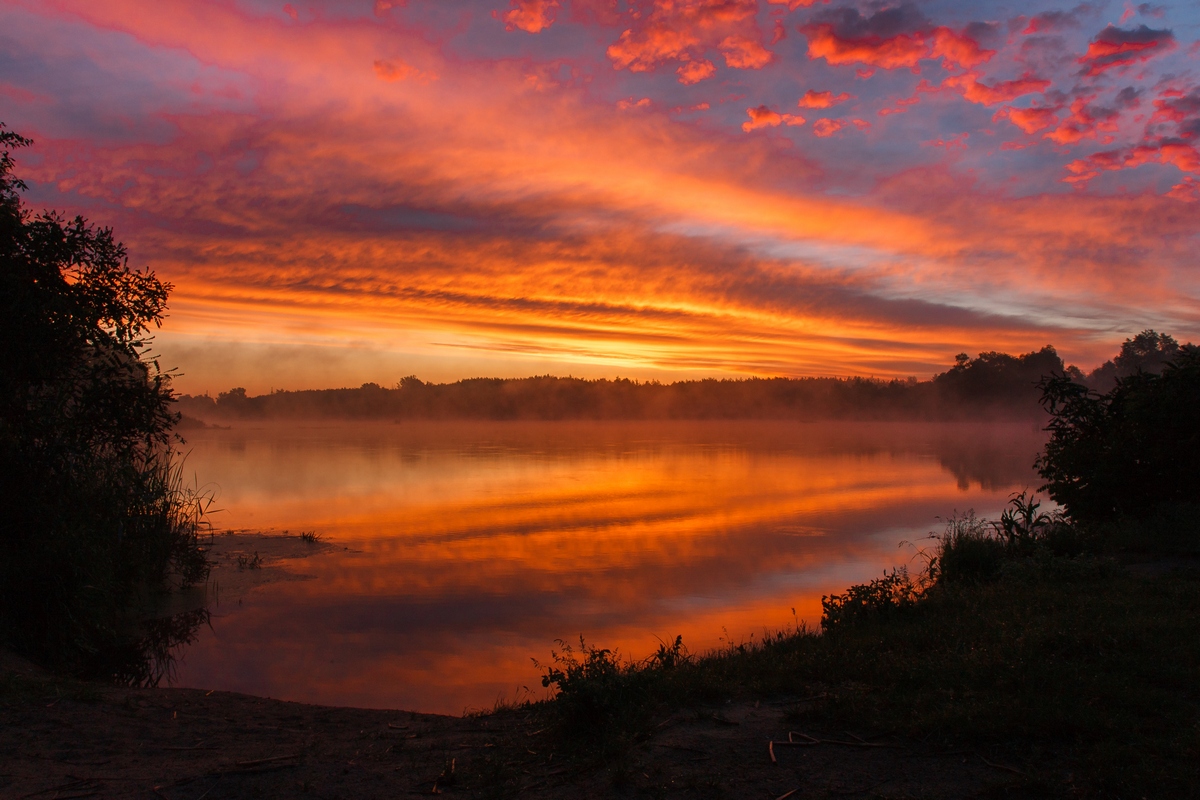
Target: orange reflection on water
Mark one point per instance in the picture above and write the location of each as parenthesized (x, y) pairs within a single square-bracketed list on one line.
[(472, 547)]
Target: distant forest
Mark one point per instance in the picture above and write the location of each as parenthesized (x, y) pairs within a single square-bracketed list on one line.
[(992, 385)]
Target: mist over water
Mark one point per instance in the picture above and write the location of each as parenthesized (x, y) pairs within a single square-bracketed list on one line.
[(463, 550)]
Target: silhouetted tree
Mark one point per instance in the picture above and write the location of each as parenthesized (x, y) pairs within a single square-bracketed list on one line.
[(1130, 452), (1146, 352), (92, 522), (997, 379)]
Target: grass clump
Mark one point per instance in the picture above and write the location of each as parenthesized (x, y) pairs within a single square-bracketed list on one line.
[(599, 696)]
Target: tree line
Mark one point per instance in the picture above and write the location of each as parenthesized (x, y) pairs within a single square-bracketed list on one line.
[(990, 385)]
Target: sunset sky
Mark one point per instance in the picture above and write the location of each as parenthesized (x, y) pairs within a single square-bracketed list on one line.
[(357, 190)]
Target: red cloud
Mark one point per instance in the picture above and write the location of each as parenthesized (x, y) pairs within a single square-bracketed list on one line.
[(763, 117), (1175, 106), (530, 16), (1052, 21), (958, 141), (1083, 122), (794, 4), (1030, 120), (827, 127), (1116, 47), (891, 38), (684, 30), (1002, 92), (1183, 156), (396, 71), (813, 99)]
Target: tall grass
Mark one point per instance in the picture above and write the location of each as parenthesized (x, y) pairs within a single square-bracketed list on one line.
[(90, 552)]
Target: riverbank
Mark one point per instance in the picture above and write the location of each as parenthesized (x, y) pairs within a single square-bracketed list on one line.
[(63, 739), (1064, 677)]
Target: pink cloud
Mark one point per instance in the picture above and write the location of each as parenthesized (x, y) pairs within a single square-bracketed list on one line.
[(1030, 120), (976, 92), (531, 16), (1115, 47), (812, 99), (763, 117), (395, 70), (901, 106), (826, 127), (629, 103), (1083, 122), (958, 141), (684, 31), (792, 5), (891, 38), (1187, 190), (384, 6), (1184, 157)]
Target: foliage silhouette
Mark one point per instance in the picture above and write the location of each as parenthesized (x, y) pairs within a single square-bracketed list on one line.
[(97, 517), (1149, 351), (1130, 453)]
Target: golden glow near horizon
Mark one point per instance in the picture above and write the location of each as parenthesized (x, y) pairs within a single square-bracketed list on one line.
[(354, 191)]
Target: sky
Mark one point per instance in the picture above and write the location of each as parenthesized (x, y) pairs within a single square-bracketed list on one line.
[(358, 190)]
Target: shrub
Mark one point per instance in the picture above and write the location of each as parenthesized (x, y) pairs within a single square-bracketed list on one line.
[(96, 515), (882, 597), (1127, 454)]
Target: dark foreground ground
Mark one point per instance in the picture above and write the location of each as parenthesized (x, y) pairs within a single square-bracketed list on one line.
[(68, 740)]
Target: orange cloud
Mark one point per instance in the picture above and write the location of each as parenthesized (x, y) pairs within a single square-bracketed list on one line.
[(1115, 47), (763, 117), (792, 5), (1030, 120), (1083, 122), (813, 99), (826, 127), (976, 92), (1185, 157), (889, 39), (684, 30), (394, 70), (530, 16), (958, 141)]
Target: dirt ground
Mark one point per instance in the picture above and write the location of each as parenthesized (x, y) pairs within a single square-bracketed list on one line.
[(62, 739)]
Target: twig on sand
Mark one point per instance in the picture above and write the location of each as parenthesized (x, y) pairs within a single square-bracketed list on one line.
[(272, 760), (813, 740), (1013, 770), (681, 747), (786, 795), (771, 751), (72, 785)]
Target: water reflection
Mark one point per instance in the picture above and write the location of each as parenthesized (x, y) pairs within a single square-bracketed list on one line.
[(471, 547)]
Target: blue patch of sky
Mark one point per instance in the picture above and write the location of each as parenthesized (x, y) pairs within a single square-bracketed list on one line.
[(106, 86)]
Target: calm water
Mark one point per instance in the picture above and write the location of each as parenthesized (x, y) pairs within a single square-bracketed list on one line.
[(472, 547)]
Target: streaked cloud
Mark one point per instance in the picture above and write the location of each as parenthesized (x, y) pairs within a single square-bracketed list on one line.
[(593, 187)]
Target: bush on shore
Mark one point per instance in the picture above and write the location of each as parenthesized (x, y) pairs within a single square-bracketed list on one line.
[(96, 517)]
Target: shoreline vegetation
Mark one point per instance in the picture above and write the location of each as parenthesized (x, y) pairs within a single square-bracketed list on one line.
[(1039, 655), (992, 385)]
